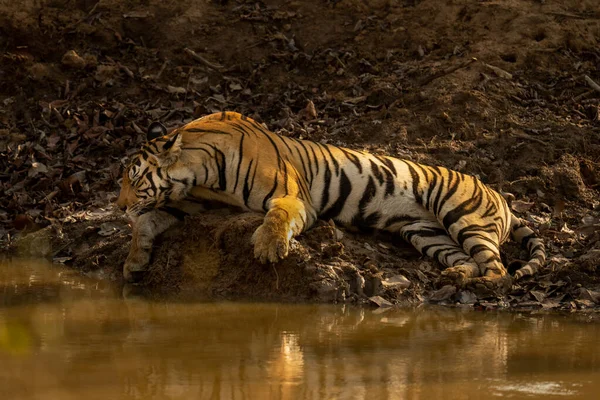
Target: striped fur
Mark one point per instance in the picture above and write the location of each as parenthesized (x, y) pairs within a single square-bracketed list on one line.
[(227, 157)]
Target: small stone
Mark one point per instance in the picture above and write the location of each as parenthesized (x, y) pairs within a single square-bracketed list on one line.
[(106, 74), (380, 301), (397, 281), (73, 60), (39, 72), (467, 297)]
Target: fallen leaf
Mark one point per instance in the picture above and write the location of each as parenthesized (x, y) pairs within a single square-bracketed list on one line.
[(176, 89), (36, 169), (539, 296), (521, 206)]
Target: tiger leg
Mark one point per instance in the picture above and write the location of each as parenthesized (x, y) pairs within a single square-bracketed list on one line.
[(430, 239), (286, 218), (146, 228)]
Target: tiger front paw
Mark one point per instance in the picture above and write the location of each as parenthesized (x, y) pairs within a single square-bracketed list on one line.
[(271, 243), (135, 266)]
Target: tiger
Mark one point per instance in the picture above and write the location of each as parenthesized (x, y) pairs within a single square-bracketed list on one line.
[(226, 157)]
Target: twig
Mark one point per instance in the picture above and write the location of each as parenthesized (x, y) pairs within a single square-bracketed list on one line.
[(523, 135), (498, 71), (592, 84), (203, 60), (566, 15), (187, 87), (127, 71), (581, 96), (446, 71), (162, 69), (276, 276)]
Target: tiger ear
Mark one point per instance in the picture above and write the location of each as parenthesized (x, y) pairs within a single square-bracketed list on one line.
[(156, 129), (171, 151)]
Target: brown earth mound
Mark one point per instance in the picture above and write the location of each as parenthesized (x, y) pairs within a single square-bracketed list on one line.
[(505, 90)]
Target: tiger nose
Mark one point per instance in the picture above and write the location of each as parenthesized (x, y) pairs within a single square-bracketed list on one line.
[(120, 203)]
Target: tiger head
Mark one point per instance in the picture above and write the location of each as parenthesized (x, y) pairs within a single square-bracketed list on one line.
[(144, 184)]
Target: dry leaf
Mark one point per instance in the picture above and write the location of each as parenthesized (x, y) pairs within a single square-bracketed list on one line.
[(521, 206)]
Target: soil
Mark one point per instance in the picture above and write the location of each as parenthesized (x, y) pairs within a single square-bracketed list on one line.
[(504, 90)]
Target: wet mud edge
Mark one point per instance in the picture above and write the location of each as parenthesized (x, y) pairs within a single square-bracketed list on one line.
[(210, 256)]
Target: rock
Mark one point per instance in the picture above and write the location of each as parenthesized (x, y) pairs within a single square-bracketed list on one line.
[(110, 228), (106, 74), (73, 60), (567, 178), (36, 244), (380, 301), (443, 294), (373, 285), (396, 281), (39, 72), (589, 295), (591, 259), (467, 297)]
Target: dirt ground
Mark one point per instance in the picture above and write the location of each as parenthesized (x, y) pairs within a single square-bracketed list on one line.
[(506, 90)]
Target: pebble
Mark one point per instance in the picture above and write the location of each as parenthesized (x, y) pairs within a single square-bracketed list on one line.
[(73, 60)]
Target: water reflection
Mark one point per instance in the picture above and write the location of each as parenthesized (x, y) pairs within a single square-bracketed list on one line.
[(63, 336)]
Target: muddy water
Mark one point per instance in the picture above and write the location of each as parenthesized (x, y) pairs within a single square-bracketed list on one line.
[(64, 336)]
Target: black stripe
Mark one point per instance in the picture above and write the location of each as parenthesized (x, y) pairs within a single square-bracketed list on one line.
[(478, 248), (148, 177), (436, 202), (472, 230), (353, 159), (326, 183), (338, 205), (389, 183), (316, 160), (241, 157), (213, 131), (399, 218), (176, 212), (222, 168), (423, 232), (309, 161), (268, 196), (360, 220), (525, 240), (415, 184), (199, 148), (388, 163), (170, 142), (247, 189), (335, 163), (466, 207), (375, 170)]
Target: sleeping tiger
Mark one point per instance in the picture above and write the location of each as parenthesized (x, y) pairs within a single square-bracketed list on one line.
[(449, 216)]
